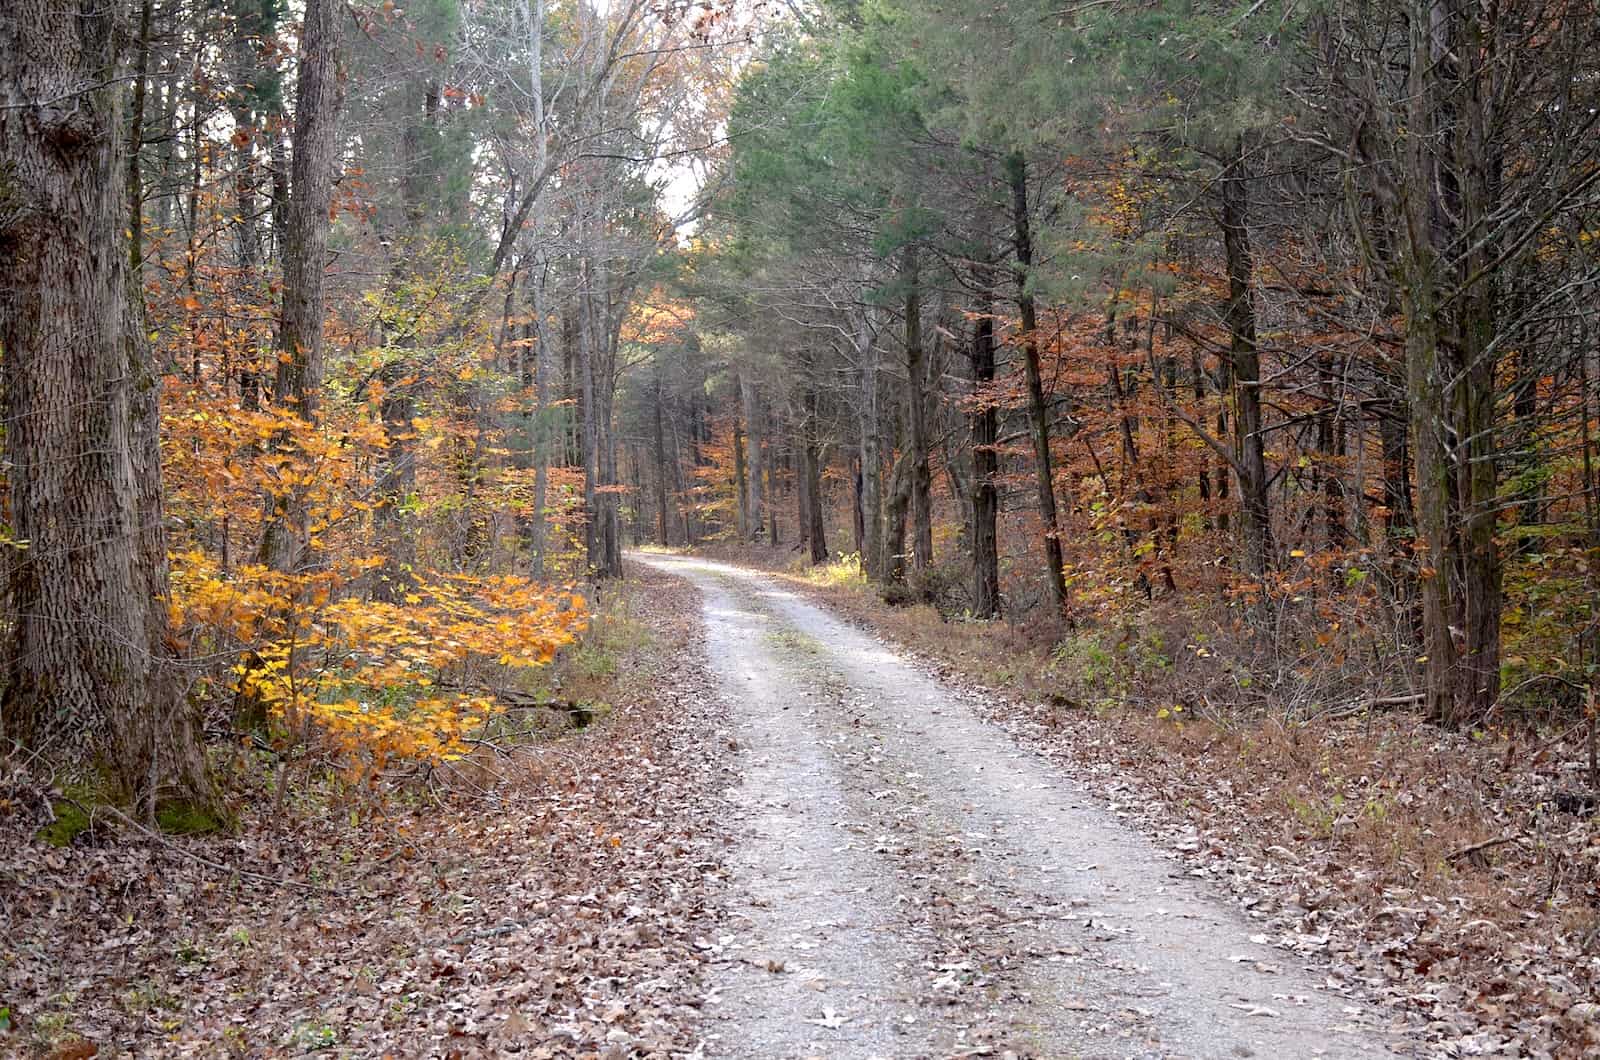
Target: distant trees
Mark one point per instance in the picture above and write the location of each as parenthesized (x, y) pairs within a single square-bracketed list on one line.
[(1280, 320), (1248, 301)]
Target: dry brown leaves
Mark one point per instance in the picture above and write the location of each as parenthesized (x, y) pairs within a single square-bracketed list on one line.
[(547, 902)]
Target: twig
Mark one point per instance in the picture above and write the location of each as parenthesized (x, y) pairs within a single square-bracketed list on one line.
[(1487, 844), (281, 881), (504, 928)]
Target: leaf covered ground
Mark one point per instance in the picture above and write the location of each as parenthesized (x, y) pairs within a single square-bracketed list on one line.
[(549, 899)]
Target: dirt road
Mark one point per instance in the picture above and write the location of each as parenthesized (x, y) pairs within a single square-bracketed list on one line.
[(909, 882)]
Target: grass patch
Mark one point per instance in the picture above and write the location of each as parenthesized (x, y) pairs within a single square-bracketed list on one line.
[(793, 641), (71, 822), (180, 817)]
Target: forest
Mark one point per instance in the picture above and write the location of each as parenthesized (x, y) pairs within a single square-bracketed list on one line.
[(1221, 364)]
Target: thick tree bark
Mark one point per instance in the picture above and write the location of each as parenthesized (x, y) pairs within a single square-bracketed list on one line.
[(298, 380), (1449, 194), (917, 419), (984, 422), (1038, 412), (1255, 509), (88, 675)]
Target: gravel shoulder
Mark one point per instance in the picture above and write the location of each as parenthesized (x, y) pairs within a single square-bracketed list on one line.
[(908, 881)]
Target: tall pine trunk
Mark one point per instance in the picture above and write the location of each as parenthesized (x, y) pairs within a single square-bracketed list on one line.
[(1038, 412)]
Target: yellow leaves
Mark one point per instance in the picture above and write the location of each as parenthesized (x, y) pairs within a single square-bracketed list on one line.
[(376, 678)]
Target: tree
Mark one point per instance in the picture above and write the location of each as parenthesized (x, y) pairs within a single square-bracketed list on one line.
[(89, 674), (297, 381)]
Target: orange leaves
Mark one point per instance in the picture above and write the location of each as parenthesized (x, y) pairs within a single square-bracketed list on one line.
[(656, 320), (376, 678)]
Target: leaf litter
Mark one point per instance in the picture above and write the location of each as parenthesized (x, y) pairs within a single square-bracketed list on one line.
[(555, 903)]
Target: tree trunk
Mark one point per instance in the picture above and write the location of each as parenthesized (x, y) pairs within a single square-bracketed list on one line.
[(871, 450), (894, 538), (753, 435), (395, 482), (661, 473), (1331, 445), (773, 435), (917, 418), (1399, 524), (607, 559), (811, 468), (1244, 362), (87, 656), (541, 419), (1038, 412), (590, 445), (984, 421), (741, 490), (298, 380), (1426, 373), (1476, 309)]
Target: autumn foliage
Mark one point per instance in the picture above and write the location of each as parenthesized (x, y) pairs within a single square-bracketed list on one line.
[(374, 659)]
